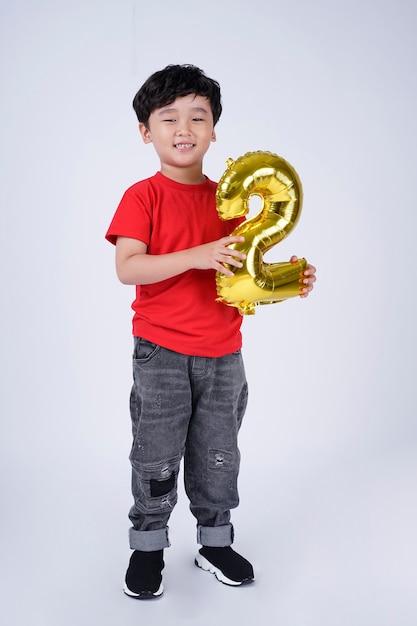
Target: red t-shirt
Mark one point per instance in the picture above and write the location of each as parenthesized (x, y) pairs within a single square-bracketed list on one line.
[(180, 313)]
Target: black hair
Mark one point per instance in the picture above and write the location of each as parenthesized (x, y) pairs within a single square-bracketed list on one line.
[(174, 81)]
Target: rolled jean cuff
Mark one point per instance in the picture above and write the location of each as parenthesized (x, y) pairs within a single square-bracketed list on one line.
[(215, 536), (149, 540)]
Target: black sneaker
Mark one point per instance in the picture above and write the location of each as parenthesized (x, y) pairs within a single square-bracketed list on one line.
[(227, 565), (144, 575)]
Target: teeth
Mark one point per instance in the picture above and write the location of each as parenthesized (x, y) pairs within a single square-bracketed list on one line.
[(184, 145)]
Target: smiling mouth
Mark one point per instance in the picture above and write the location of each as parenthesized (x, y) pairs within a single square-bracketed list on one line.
[(184, 146)]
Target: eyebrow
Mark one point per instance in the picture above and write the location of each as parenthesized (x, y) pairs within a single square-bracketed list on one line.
[(173, 110)]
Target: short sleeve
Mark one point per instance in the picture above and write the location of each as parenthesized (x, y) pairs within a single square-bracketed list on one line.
[(133, 217)]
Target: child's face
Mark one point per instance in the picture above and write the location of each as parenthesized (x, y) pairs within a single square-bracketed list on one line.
[(181, 133)]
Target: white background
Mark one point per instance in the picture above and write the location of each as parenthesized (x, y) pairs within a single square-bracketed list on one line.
[(328, 509)]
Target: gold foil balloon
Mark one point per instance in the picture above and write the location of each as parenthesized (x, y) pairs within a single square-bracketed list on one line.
[(275, 181)]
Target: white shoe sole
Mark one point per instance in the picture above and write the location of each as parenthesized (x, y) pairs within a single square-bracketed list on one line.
[(204, 564), (144, 595)]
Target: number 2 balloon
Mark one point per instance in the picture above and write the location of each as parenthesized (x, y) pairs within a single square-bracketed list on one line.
[(275, 181)]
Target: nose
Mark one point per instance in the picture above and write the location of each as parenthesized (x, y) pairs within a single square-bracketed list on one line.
[(183, 128)]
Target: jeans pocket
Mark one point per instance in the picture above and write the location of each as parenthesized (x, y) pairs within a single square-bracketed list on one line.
[(144, 350)]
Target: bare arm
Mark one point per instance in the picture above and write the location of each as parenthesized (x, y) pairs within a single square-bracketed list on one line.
[(135, 267)]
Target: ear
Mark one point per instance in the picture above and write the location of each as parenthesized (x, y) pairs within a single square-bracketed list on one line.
[(213, 135), (145, 133)]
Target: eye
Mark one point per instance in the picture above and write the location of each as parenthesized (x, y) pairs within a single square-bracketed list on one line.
[(198, 119), (169, 120)]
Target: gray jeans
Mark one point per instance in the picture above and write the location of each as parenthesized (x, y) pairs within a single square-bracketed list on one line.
[(191, 407)]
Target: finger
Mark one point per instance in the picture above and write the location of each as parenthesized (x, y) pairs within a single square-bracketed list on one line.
[(229, 240), (309, 279), (305, 291), (311, 273), (234, 262), (226, 257), (224, 270), (237, 238), (234, 253)]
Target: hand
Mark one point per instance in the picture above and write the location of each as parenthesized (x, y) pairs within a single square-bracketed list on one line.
[(309, 278), (212, 255)]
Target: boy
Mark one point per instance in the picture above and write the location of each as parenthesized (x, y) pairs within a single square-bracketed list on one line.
[(189, 393)]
